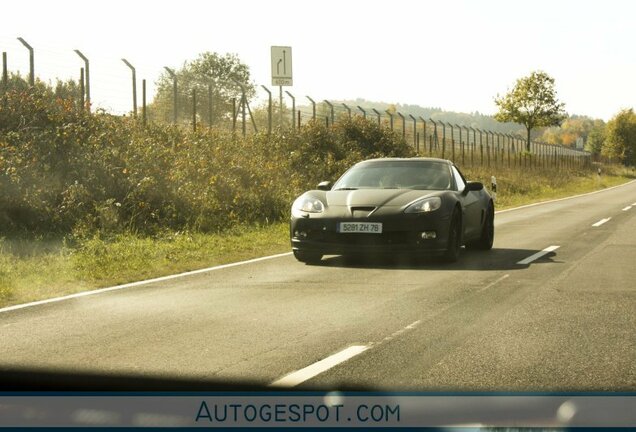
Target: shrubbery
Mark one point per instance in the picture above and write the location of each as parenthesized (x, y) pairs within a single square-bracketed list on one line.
[(66, 171)]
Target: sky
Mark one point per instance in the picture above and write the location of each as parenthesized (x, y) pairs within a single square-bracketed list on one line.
[(453, 54)]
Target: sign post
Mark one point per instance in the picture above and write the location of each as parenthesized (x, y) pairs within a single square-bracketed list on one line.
[(281, 72)]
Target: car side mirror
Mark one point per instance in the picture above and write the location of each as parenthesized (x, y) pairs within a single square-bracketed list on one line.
[(324, 185), (474, 186)]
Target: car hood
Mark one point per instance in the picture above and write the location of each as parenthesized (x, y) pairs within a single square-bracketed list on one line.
[(375, 197)]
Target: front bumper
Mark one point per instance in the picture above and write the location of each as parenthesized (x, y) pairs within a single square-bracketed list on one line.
[(401, 234)]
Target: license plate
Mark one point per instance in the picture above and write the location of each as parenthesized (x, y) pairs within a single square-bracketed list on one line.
[(360, 227)]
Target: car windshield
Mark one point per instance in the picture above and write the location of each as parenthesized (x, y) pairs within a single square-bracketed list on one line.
[(424, 175)]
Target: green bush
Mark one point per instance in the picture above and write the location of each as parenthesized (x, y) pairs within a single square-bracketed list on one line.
[(65, 171)]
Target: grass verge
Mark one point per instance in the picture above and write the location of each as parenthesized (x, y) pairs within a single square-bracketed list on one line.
[(36, 269)]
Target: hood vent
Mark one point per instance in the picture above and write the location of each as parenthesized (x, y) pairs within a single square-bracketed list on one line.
[(362, 212)]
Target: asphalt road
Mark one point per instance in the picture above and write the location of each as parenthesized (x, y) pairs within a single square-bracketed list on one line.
[(565, 321)]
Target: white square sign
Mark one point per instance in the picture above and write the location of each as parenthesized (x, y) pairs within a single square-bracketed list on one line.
[(282, 66)]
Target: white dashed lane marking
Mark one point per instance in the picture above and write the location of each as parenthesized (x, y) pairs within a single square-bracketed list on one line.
[(601, 222), (294, 378), (538, 255), (302, 375)]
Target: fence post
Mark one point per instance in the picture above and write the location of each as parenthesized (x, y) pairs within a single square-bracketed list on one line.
[(82, 90), (5, 73), (403, 125), (331, 109), (210, 104), (174, 93), (280, 107), (390, 118), (481, 148), (452, 142), (32, 62), (472, 148), (269, 110), (194, 112), (233, 115), (498, 147), (313, 107), (134, 86), (430, 145), (415, 140), (423, 133), (364, 113), (293, 115), (491, 150), (465, 143), (87, 78), (443, 138), (348, 109), (143, 101), (243, 106), (378, 114)]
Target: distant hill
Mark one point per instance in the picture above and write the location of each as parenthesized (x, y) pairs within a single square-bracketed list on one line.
[(573, 128), (475, 120)]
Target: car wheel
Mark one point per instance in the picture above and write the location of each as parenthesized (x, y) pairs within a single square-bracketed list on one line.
[(487, 232), (454, 239), (307, 257)]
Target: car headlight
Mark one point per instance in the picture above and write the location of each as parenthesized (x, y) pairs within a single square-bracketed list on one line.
[(307, 204), (424, 205)]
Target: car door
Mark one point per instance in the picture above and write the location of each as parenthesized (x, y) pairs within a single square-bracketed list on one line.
[(471, 206)]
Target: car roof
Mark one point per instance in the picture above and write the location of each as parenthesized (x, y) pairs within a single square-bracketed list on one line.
[(412, 159)]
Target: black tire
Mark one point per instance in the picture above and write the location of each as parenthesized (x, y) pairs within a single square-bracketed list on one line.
[(454, 239), (307, 257), (487, 232)]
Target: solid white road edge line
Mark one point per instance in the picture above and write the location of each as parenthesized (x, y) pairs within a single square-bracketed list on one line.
[(538, 255), (563, 199), (143, 282), (492, 284), (601, 222), (295, 378), (627, 208)]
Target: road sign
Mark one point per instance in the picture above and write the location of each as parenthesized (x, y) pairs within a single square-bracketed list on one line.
[(281, 66)]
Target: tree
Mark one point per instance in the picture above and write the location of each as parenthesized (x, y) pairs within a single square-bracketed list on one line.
[(596, 137), (208, 69), (532, 102), (620, 140)]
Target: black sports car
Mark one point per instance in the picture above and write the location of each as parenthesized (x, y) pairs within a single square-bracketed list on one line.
[(393, 206)]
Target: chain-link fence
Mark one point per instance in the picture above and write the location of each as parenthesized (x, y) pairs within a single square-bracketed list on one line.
[(247, 108)]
